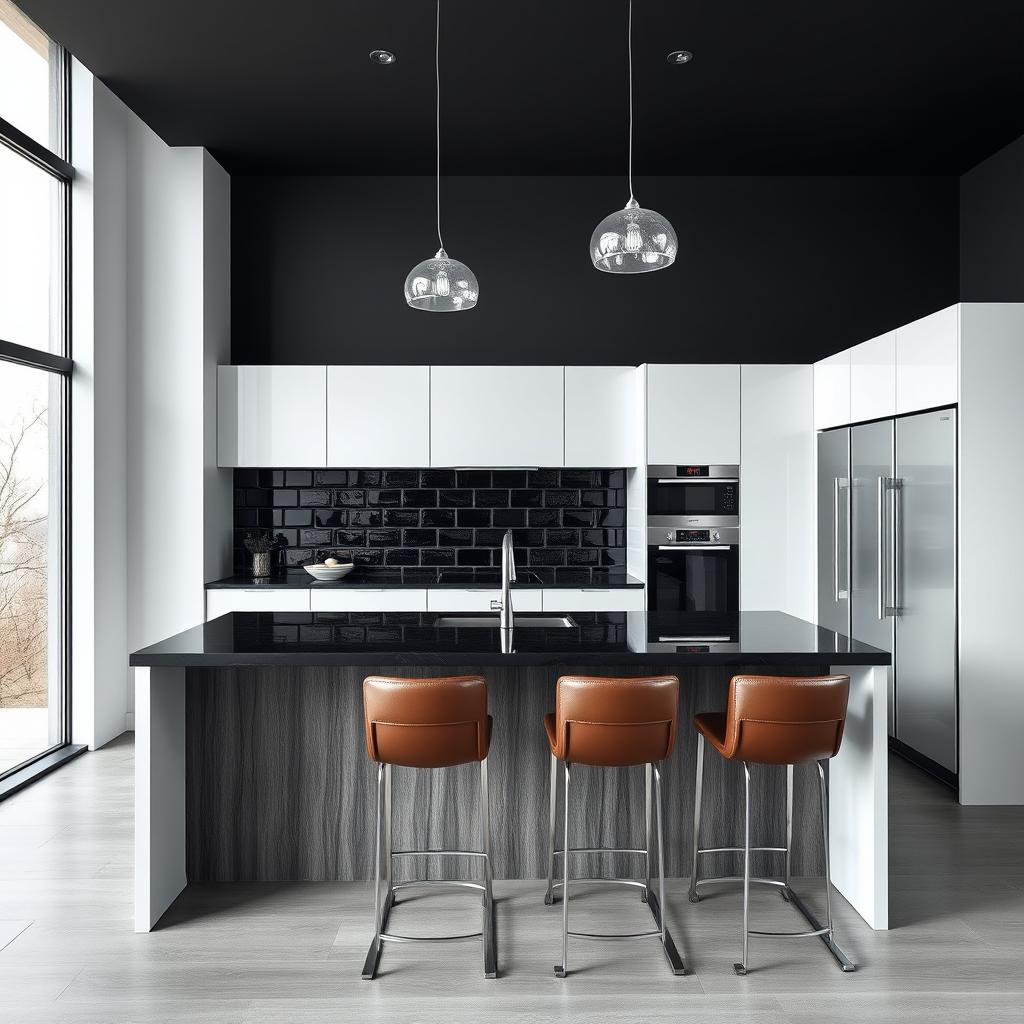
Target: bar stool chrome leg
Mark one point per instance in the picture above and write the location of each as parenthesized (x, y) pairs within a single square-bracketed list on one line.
[(383, 871), (563, 967), (379, 912), (489, 951), (741, 968), (549, 897), (655, 901), (648, 775), (697, 797), (789, 832)]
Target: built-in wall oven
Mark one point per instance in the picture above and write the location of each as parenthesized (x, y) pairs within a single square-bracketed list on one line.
[(693, 541), (693, 570)]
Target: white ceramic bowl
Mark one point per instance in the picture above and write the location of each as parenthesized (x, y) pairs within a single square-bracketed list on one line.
[(329, 573)]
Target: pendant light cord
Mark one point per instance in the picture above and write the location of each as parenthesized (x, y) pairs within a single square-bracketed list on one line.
[(629, 48), (437, 116)]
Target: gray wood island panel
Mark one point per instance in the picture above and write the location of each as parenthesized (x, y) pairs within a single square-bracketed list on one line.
[(279, 785)]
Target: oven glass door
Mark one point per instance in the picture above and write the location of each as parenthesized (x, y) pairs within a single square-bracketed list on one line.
[(694, 579), (687, 498)]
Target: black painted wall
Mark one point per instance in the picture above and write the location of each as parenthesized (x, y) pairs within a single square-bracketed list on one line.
[(992, 228), (771, 269)]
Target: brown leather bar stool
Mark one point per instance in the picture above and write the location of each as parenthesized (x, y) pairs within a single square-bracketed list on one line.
[(774, 720), (427, 723), (613, 723)]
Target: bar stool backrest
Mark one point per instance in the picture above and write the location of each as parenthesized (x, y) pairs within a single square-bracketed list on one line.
[(616, 721), (426, 723), (785, 719)]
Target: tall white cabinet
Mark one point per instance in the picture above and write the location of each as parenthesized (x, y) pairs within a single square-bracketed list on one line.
[(777, 494), (693, 414)]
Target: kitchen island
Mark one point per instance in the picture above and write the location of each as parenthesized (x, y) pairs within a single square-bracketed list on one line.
[(251, 764)]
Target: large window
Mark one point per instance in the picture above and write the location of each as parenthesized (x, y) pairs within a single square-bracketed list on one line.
[(34, 385)]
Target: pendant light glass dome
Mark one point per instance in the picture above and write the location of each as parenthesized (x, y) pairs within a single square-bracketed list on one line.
[(440, 284), (633, 240)]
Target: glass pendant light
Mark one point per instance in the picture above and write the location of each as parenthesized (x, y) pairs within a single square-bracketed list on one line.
[(440, 284), (633, 240)]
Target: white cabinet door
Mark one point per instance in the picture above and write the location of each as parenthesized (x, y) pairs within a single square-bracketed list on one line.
[(693, 414), (497, 416), (777, 490), (378, 416), (272, 416), (873, 378), (368, 600), (832, 391), (601, 427), (479, 600), (595, 599), (926, 361), (259, 599)]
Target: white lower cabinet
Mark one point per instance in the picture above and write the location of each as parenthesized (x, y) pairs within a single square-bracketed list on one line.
[(261, 599), (594, 599), (479, 600), (368, 600)]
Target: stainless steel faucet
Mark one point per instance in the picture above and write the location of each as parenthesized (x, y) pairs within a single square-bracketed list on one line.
[(508, 577)]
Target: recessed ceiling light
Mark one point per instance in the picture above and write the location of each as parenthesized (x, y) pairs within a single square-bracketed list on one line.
[(679, 57), (382, 57)]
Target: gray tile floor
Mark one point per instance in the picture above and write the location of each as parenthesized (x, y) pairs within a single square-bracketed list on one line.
[(291, 953)]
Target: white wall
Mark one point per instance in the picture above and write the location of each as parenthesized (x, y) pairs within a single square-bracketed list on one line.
[(151, 514), (218, 501), (99, 642), (991, 553), (777, 499)]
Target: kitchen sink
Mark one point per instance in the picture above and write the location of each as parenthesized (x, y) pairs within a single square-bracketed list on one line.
[(494, 622)]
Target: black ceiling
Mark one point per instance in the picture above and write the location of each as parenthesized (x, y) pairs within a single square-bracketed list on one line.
[(539, 86)]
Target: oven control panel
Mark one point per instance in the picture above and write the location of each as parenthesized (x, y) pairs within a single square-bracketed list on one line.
[(693, 536)]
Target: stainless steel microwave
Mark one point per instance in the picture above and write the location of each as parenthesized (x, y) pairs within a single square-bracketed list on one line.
[(679, 496)]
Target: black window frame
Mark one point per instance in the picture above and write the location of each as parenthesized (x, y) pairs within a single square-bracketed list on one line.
[(57, 165)]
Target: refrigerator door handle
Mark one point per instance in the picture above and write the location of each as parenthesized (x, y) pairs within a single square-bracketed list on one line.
[(897, 543), (838, 483), (880, 540)]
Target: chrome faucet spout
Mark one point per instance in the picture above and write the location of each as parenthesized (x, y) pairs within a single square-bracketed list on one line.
[(508, 577)]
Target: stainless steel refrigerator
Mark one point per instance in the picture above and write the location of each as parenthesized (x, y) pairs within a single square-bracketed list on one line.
[(887, 565)]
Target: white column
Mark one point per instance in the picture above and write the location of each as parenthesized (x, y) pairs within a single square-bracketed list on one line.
[(859, 798), (159, 792)]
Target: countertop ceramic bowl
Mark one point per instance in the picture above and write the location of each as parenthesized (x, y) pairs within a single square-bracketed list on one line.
[(329, 573)]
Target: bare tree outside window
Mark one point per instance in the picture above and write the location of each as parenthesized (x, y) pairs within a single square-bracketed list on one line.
[(23, 585)]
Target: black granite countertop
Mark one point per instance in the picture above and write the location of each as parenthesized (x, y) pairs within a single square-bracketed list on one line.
[(374, 579), (593, 639)]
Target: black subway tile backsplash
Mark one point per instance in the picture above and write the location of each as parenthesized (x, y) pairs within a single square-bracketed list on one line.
[(568, 525)]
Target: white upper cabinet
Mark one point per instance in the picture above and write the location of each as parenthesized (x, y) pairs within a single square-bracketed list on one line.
[(274, 416), (378, 416), (926, 361), (873, 378), (693, 414), (832, 391), (601, 425), (497, 416)]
